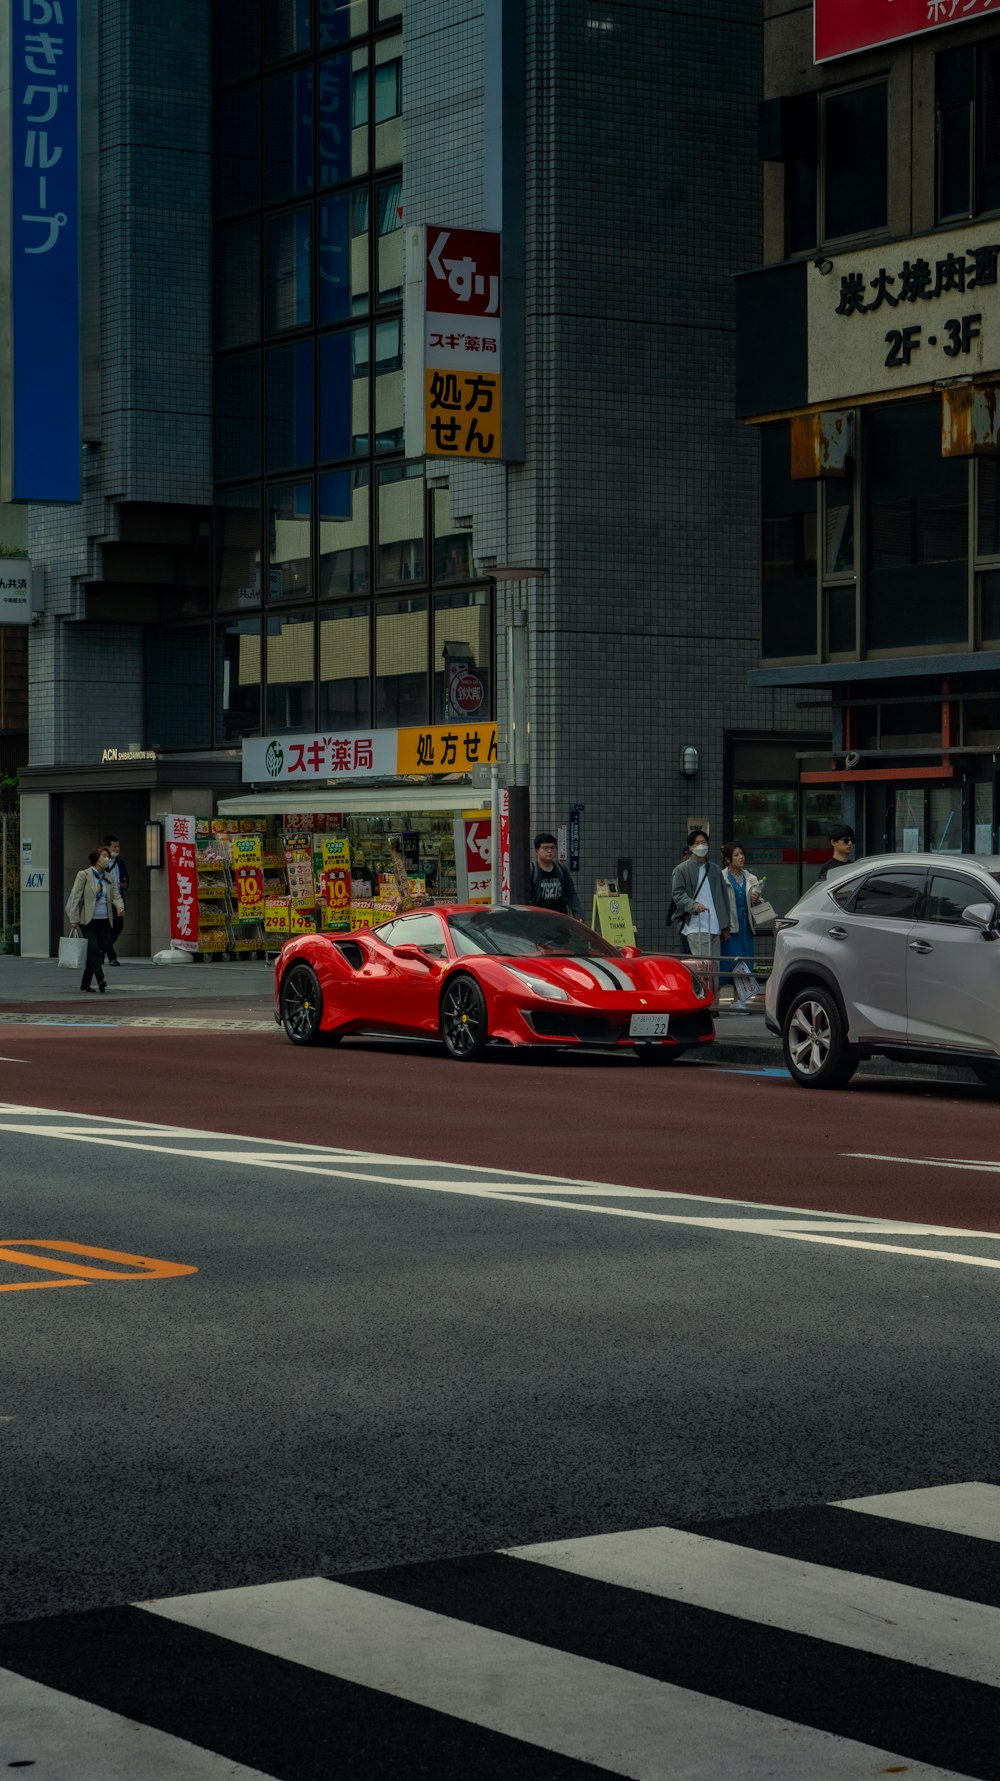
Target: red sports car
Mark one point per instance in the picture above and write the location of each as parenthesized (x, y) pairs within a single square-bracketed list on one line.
[(477, 976)]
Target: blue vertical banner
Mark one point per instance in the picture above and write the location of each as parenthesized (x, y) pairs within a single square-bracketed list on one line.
[(45, 249)]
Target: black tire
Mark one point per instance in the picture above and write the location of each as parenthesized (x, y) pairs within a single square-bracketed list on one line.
[(989, 1076), (814, 1039), (657, 1054), (463, 1019), (302, 1008)]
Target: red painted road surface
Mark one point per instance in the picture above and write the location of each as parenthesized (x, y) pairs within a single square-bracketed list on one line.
[(693, 1127)]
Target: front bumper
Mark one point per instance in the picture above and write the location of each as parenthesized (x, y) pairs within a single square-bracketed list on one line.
[(581, 1026)]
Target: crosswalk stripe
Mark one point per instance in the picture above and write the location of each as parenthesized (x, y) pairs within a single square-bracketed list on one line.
[(914, 1626), (970, 1509), (66, 1739), (595, 1713)]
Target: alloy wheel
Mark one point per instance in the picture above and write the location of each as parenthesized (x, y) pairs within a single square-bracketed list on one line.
[(810, 1038), (300, 1005), (463, 1018)]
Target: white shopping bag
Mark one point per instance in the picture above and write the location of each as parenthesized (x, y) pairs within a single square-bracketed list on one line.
[(745, 985), (73, 951)]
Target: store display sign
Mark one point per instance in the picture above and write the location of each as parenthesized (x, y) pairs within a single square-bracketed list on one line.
[(446, 748), (277, 915), (248, 850), (182, 882), (465, 689), (249, 892), (453, 307), (844, 26), (15, 591), (44, 252), (373, 754)]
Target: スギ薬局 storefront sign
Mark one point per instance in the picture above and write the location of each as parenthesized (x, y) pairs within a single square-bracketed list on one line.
[(844, 26), (369, 754)]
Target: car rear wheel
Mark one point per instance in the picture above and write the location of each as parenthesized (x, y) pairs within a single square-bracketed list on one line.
[(302, 1008), (817, 1052), (464, 1023), (657, 1054)]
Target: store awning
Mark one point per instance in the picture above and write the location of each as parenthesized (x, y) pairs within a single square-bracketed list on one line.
[(372, 801)]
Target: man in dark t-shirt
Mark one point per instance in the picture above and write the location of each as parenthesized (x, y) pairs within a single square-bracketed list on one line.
[(842, 842), (551, 885)]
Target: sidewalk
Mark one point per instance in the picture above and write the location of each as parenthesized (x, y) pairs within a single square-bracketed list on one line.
[(138, 988)]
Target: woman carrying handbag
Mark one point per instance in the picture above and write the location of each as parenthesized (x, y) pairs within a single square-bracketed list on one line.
[(89, 905), (738, 950)]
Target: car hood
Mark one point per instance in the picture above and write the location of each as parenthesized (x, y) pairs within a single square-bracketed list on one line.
[(596, 978)]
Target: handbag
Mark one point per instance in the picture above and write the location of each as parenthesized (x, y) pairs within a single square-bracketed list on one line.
[(73, 951), (762, 915), (745, 985)]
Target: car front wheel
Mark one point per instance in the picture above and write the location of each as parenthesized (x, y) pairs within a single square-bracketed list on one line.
[(817, 1052), (464, 1023), (302, 1008)]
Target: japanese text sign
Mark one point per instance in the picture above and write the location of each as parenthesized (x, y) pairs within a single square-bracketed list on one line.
[(374, 754), (15, 591), (446, 748), (247, 850), (182, 881), (461, 323), (250, 893), (843, 26), (44, 251)]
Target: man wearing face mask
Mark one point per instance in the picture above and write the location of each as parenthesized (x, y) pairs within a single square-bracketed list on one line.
[(91, 902), (703, 901)]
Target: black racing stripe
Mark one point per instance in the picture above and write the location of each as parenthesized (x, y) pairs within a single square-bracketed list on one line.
[(915, 1713), (948, 1564), (265, 1712), (602, 971)]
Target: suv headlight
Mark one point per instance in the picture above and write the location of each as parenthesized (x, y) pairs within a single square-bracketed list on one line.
[(539, 985)]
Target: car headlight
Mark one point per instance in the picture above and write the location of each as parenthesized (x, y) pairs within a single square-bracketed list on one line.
[(698, 986), (539, 986)]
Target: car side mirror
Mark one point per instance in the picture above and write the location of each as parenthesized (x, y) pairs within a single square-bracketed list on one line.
[(983, 917), (630, 952), (415, 956)]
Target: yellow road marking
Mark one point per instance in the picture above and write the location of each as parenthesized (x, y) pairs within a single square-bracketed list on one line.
[(19, 1252)]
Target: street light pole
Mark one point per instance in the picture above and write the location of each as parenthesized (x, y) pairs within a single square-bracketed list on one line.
[(518, 764)]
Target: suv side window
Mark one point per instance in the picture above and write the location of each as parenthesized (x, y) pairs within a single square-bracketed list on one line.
[(950, 895), (895, 895), (844, 894)]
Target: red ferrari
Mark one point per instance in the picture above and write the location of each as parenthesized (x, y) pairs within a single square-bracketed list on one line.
[(475, 976)]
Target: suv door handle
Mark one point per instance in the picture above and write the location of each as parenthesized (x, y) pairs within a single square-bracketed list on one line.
[(837, 933), (920, 946)]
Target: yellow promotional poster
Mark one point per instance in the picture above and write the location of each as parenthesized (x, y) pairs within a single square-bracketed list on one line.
[(336, 889), (301, 883), (335, 853), (366, 915), (446, 748), (303, 921), (277, 913), (461, 414), (247, 851), (250, 893), (612, 917)]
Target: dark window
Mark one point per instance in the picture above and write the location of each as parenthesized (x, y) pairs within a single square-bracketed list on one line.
[(526, 933), (989, 606), (286, 29), (989, 127), (841, 627), (343, 534), (917, 530), (236, 39), (343, 399), (968, 130), (288, 271), (949, 896), (178, 696), (288, 136), (340, 20), (288, 400), (237, 417), (844, 894), (788, 599), (237, 284), (988, 505), (855, 161), (894, 895), (291, 670), (237, 549), (237, 679), (237, 152), (345, 666)]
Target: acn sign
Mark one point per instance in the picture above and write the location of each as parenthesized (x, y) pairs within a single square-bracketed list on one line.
[(844, 26)]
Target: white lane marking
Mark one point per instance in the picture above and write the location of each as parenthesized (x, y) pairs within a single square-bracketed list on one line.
[(970, 1509), (66, 1739), (13, 1060), (914, 1626), (829, 1229), (593, 1712), (926, 1162)]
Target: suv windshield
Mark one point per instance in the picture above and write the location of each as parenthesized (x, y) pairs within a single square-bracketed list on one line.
[(525, 933)]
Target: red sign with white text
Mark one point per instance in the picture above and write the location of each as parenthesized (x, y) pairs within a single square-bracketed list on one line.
[(182, 881), (463, 272), (843, 26)]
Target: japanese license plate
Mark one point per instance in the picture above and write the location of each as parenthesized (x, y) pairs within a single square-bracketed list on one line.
[(648, 1026)]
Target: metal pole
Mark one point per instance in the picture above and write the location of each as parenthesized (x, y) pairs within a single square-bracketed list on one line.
[(4, 819), (517, 755), (494, 833)]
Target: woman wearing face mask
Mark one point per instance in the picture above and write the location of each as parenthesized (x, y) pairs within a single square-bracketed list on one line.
[(703, 901), (746, 889), (89, 907)]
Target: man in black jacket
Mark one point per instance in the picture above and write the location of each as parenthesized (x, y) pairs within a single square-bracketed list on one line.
[(552, 886), (119, 872)]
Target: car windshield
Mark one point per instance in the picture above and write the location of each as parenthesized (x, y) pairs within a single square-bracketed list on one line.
[(526, 933)]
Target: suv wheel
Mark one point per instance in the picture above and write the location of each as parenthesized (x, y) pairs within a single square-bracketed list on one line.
[(817, 1053)]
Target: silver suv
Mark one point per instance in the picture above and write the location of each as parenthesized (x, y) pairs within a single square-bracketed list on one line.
[(896, 956)]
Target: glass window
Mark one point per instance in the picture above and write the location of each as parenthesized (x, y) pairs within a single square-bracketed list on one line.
[(340, 20), (841, 621), (956, 86), (237, 417), (236, 164), (917, 530), (286, 29), (788, 599), (288, 410), (288, 284), (893, 895), (801, 169), (838, 542), (401, 555), (401, 661), (983, 817), (855, 161), (948, 896), (910, 820), (389, 102), (989, 606), (989, 127), (526, 933), (343, 256), (389, 385), (237, 284), (235, 40), (987, 507), (946, 819), (290, 700), (452, 541), (343, 534), (390, 242), (389, 9), (288, 135), (289, 551), (463, 637), (237, 548), (237, 679), (343, 117), (343, 384), (424, 931), (178, 688), (345, 667)]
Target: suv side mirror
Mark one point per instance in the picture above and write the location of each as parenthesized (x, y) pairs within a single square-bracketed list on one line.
[(983, 917)]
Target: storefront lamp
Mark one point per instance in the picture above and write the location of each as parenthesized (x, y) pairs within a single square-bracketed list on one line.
[(154, 845), (689, 762)]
